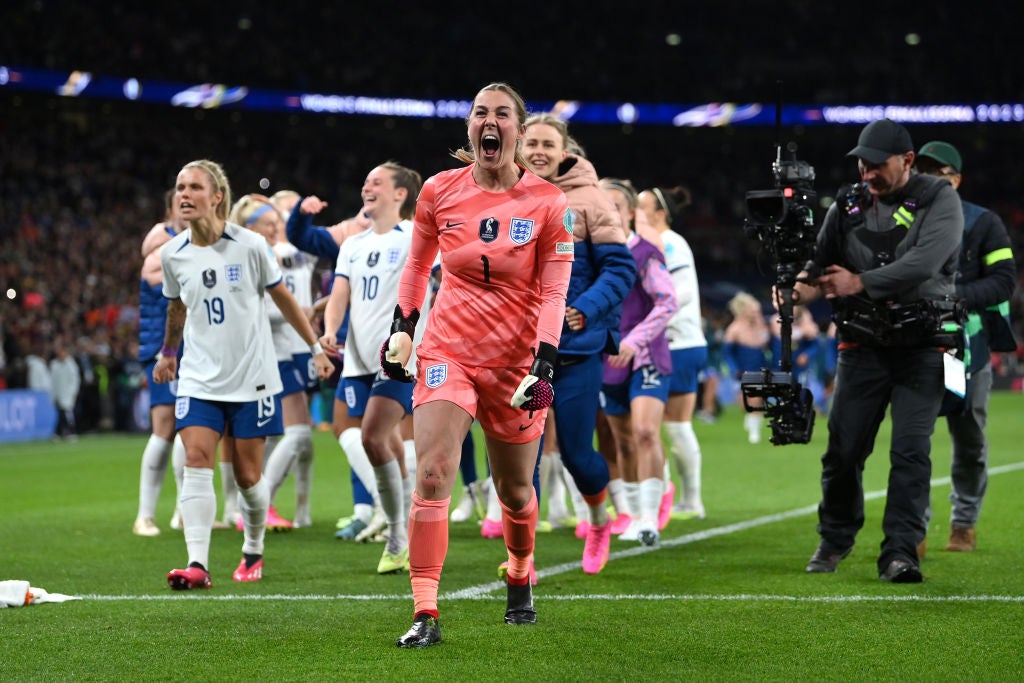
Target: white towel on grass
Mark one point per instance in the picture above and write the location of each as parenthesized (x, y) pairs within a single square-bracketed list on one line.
[(16, 593)]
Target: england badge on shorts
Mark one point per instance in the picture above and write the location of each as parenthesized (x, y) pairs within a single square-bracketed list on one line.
[(436, 375), (180, 407), (521, 230)]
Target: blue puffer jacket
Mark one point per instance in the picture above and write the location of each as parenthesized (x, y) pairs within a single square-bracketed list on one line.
[(315, 240), (152, 320), (603, 271)]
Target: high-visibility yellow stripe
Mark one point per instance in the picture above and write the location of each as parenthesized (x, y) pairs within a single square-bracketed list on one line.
[(1003, 308), (998, 255), (973, 325), (903, 217)]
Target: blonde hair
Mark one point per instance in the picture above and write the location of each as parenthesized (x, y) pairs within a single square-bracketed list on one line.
[(569, 143), (220, 183), (743, 302), (282, 195), (244, 210), (467, 154)]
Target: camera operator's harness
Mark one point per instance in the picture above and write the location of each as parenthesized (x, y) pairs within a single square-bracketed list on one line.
[(920, 323)]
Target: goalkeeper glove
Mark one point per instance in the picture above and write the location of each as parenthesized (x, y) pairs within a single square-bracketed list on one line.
[(535, 391), (397, 348)]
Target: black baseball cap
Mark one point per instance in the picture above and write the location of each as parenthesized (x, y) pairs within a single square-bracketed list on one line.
[(880, 140)]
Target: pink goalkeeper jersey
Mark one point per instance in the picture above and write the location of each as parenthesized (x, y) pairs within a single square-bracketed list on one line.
[(503, 268)]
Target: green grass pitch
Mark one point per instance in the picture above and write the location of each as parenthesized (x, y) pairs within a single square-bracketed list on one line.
[(722, 599)]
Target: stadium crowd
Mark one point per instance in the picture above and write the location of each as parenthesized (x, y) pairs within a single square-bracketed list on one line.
[(81, 181)]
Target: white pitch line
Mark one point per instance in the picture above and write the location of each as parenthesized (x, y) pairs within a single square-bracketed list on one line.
[(483, 591), (747, 597)]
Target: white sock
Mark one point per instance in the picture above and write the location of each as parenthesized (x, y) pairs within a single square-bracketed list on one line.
[(362, 512), (651, 491), (279, 462), (229, 489), (686, 453), (151, 477), (555, 485), (198, 503), (253, 503), (493, 506), (178, 461), (389, 484), (632, 491), (579, 506), (304, 482), (617, 493), (408, 485), (269, 444), (410, 457), (351, 441)]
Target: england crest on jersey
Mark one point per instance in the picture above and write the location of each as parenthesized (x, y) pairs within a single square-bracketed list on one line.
[(436, 375), (521, 230), (233, 272)]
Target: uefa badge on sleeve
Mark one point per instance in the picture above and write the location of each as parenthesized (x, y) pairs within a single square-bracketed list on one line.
[(569, 220)]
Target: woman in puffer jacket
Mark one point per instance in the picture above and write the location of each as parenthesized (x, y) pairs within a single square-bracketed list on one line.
[(603, 272)]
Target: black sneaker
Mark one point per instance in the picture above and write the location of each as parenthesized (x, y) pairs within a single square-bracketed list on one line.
[(824, 562), (520, 605), (902, 571), (425, 631)]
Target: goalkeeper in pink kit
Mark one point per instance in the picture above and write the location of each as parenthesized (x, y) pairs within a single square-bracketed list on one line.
[(490, 344)]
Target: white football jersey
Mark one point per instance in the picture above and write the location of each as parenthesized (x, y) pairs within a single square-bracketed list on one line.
[(229, 354), (297, 270), (684, 329), (372, 263)]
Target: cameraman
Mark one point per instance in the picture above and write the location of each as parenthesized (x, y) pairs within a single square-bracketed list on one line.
[(888, 244), (985, 280)]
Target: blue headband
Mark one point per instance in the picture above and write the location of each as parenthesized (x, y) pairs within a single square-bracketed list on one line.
[(257, 213)]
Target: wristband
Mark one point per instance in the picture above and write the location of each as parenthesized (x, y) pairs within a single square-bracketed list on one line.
[(169, 351), (315, 348)]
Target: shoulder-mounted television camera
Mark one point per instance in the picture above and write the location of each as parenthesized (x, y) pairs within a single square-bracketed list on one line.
[(782, 219)]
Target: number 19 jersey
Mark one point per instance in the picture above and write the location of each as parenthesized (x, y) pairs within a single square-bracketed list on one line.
[(229, 352)]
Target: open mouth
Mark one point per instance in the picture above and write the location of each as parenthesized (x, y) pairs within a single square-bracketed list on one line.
[(489, 144)]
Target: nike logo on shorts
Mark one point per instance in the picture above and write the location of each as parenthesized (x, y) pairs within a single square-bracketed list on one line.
[(263, 423)]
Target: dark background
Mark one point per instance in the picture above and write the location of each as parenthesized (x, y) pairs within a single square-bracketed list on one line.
[(81, 180)]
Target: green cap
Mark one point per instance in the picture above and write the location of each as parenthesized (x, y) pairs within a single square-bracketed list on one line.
[(942, 152)]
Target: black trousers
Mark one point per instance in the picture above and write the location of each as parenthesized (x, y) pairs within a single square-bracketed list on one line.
[(868, 381)]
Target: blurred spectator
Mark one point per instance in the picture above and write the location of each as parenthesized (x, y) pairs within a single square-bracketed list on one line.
[(38, 372), (66, 382)]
